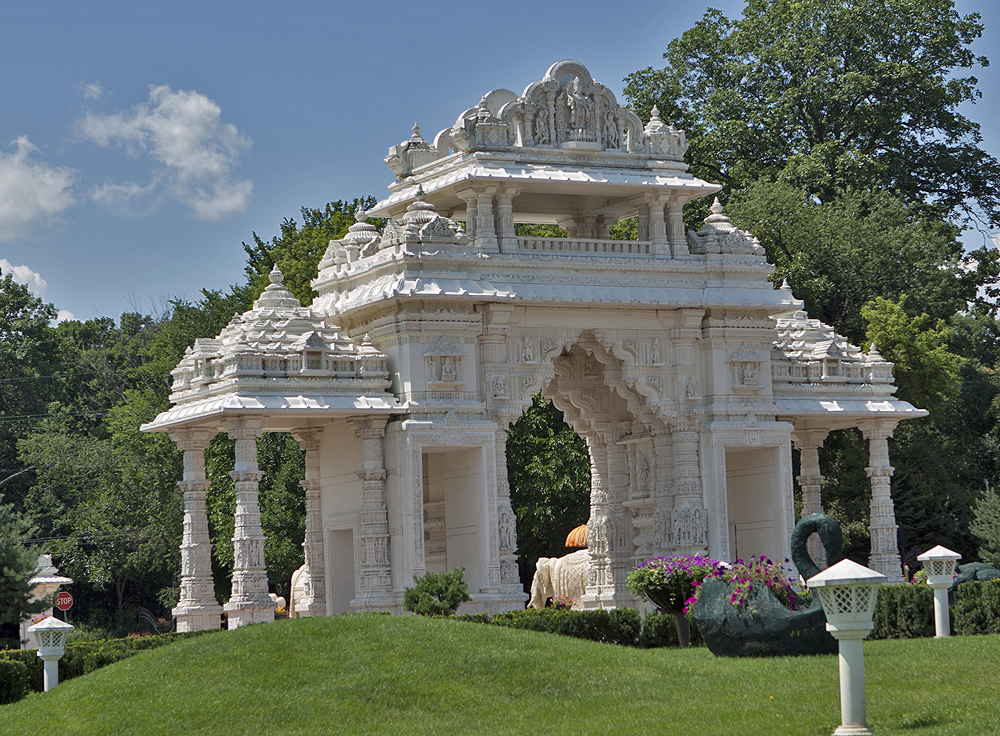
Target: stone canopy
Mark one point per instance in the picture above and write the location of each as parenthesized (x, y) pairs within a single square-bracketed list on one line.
[(688, 374)]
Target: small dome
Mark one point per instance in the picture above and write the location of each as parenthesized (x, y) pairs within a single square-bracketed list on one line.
[(276, 295), (420, 212), (361, 231)]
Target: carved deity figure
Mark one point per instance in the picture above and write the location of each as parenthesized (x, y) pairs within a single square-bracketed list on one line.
[(643, 472), (499, 386), (654, 353), (590, 366), (508, 538), (580, 106), (541, 126), (612, 139), (751, 374), (449, 371), (526, 351)]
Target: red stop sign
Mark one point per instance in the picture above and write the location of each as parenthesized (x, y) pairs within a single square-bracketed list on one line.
[(64, 601)]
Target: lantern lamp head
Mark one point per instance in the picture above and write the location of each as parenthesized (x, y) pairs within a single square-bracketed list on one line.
[(51, 635), (939, 563), (848, 592)]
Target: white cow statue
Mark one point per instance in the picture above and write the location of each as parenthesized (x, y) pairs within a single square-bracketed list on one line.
[(556, 576), (300, 587)]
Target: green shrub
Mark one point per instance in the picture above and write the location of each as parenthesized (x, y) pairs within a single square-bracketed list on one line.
[(621, 626), (904, 611), (35, 677), (437, 594), (13, 680), (82, 657), (977, 608)]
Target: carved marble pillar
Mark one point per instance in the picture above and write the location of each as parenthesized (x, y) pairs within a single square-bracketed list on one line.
[(675, 227), (602, 229), (550, 99), (486, 234), (884, 556), (619, 534), (658, 225), (505, 219), (689, 519), (811, 481), (471, 202), (642, 226), (663, 448), (313, 603), (599, 582), (373, 533), (510, 581), (249, 602), (197, 607)]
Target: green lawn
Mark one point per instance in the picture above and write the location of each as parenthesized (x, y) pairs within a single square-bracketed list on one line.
[(382, 674)]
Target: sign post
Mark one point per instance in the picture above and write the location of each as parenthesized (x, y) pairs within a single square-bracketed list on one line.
[(64, 601)]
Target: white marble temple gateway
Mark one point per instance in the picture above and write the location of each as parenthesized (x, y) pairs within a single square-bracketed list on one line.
[(687, 373)]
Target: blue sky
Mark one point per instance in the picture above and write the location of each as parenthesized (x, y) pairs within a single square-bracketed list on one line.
[(142, 143)]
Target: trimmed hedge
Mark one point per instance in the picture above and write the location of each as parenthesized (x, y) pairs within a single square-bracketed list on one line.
[(21, 671), (622, 626), (977, 608), (904, 611), (13, 680)]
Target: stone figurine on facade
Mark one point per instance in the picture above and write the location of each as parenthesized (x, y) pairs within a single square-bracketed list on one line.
[(689, 376)]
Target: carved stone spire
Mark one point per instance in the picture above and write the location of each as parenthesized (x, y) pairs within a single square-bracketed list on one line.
[(276, 295)]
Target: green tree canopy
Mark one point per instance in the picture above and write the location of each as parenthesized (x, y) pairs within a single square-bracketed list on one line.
[(830, 94), (298, 251), (548, 468)]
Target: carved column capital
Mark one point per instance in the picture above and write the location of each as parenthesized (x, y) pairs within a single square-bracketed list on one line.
[(809, 439), (244, 426), (879, 429), (369, 427), (308, 438)]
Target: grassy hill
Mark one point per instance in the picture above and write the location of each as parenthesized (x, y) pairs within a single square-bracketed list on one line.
[(379, 674)]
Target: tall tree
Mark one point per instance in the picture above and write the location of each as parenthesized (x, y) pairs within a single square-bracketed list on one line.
[(830, 94), (17, 562), (29, 368), (548, 468), (298, 251)]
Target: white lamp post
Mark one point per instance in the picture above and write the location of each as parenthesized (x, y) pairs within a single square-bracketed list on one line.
[(848, 592), (51, 635), (940, 566)]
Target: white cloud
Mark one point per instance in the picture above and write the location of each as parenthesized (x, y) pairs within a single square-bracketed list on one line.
[(92, 91), (24, 275), (64, 315), (195, 151), (32, 193)]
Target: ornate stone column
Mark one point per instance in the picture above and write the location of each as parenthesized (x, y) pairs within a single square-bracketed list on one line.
[(250, 602), (689, 520), (675, 227), (197, 607), (469, 197), (884, 556), (810, 481), (642, 226), (373, 544), (599, 583), (510, 581), (619, 528), (313, 603), (658, 225), (663, 447), (486, 234), (505, 219)]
